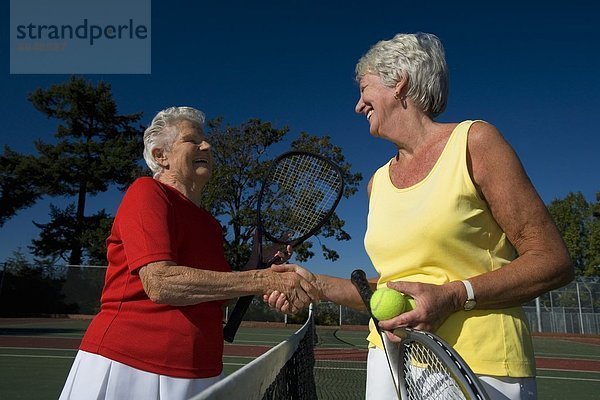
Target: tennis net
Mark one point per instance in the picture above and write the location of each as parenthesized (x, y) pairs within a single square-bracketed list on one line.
[(283, 372)]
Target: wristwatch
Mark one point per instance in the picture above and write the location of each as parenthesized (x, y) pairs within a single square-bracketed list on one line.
[(470, 303)]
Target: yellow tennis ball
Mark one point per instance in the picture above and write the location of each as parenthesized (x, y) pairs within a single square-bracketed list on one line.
[(411, 304), (387, 303)]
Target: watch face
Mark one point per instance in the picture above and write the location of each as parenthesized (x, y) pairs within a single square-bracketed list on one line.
[(469, 305)]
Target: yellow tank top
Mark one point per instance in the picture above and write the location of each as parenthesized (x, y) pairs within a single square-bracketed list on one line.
[(437, 231)]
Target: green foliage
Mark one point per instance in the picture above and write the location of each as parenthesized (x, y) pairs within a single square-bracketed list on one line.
[(59, 236), (30, 289), (94, 148), (579, 224), (241, 160), (19, 183)]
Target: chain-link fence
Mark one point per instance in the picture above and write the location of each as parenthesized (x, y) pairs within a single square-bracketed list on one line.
[(574, 308)]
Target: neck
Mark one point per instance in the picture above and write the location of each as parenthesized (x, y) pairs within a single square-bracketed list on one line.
[(191, 190), (412, 134)]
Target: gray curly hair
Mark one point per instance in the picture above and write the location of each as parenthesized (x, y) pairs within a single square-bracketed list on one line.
[(162, 133), (418, 57)]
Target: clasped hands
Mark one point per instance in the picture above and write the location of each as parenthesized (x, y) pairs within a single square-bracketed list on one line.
[(298, 291)]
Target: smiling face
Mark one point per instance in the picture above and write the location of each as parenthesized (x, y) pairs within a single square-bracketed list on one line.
[(378, 104), (189, 160)]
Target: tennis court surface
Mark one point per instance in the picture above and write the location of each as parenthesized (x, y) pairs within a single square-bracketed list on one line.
[(36, 354)]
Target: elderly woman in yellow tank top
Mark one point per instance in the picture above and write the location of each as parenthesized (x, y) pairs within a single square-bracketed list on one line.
[(453, 222)]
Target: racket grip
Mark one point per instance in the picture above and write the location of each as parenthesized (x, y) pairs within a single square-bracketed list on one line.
[(360, 281), (236, 317)]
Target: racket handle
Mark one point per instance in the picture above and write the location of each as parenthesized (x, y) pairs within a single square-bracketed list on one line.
[(236, 317), (360, 281)]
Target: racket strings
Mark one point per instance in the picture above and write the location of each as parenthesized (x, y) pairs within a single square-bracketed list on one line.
[(426, 377), (301, 193)]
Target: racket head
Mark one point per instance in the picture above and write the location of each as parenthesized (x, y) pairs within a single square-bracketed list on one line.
[(430, 368), (410, 360), (298, 195)]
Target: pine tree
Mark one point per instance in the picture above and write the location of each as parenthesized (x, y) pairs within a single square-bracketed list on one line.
[(94, 148)]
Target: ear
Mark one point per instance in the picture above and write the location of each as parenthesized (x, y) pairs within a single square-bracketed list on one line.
[(160, 157), (401, 87)]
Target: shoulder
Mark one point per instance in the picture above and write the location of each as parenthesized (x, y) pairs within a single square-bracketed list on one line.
[(493, 163), (144, 189), (483, 134), (144, 184), (488, 149)]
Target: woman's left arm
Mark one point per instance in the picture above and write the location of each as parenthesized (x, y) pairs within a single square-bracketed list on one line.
[(543, 262)]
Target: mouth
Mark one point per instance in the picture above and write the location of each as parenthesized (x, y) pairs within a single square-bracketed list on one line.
[(201, 162), (369, 114)]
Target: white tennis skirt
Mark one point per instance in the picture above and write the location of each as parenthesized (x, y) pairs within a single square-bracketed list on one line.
[(94, 377)]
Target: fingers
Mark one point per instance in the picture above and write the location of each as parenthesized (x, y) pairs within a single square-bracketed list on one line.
[(276, 254), (303, 272), (283, 267), (432, 306), (392, 337), (404, 287), (276, 300), (298, 292), (310, 289), (284, 255)]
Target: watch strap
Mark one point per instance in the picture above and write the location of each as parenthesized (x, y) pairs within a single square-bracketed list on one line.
[(470, 303)]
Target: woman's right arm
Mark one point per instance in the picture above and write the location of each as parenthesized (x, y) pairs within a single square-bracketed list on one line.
[(341, 291), (330, 288), (168, 283)]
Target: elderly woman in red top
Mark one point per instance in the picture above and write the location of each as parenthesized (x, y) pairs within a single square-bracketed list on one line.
[(159, 331)]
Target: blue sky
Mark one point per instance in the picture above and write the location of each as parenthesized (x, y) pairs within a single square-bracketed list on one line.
[(530, 68)]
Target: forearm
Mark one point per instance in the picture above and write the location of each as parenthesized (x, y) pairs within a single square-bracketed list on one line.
[(527, 277), (179, 285), (340, 291)]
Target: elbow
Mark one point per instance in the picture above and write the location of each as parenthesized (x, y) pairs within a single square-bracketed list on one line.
[(565, 270), (154, 288), (155, 293)]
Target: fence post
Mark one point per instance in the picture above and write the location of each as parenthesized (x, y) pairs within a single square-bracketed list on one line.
[(538, 311), (2, 276), (580, 311)]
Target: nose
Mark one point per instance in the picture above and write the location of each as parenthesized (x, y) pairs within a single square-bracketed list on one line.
[(204, 145), (360, 105)]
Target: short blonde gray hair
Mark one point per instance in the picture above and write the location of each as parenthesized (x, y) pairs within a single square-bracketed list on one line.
[(418, 57), (161, 133)]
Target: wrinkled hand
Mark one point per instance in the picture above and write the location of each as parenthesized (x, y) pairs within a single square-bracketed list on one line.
[(280, 300), (434, 304)]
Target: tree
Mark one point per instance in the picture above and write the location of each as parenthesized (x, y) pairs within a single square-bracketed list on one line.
[(95, 148), (593, 251), (579, 224), (31, 288), (242, 157), (59, 236), (19, 183)]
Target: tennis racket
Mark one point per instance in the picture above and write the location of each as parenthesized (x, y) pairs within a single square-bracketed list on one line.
[(423, 366), (298, 195)]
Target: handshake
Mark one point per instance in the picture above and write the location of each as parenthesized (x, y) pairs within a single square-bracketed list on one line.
[(291, 288)]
